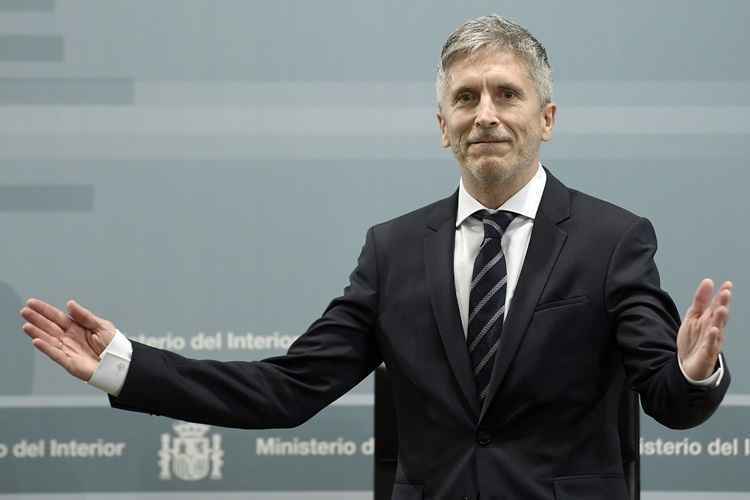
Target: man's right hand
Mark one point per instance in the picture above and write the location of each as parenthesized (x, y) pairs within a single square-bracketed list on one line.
[(74, 340)]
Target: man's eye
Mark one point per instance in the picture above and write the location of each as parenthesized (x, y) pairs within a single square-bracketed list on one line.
[(464, 97), (507, 94)]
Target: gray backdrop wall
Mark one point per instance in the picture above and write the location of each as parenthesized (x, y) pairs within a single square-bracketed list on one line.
[(203, 174)]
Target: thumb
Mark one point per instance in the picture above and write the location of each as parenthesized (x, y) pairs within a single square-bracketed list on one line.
[(83, 316)]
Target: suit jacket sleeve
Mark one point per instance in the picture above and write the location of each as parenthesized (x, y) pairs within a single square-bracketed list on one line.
[(336, 353), (645, 321)]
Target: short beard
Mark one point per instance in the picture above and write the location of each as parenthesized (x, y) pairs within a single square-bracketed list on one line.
[(489, 175)]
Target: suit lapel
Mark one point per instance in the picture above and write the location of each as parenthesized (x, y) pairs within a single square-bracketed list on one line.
[(544, 247), (438, 251)]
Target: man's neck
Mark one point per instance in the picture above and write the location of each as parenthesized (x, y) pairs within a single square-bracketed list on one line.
[(494, 193)]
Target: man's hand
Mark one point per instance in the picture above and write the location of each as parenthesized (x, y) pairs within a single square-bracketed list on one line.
[(73, 341), (701, 334)]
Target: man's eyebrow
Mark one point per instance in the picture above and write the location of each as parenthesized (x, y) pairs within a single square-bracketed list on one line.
[(512, 86), (464, 87), (506, 84), (501, 84)]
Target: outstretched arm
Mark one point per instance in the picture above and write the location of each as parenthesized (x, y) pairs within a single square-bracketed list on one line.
[(336, 353), (646, 325)]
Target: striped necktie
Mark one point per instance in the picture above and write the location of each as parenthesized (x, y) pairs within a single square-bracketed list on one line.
[(487, 298)]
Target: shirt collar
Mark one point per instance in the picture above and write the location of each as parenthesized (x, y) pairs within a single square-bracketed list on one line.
[(525, 202)]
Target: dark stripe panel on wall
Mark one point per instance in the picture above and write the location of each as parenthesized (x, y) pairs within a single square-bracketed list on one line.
[(27, 5), (43, 198), (69, 91), (31, 48)]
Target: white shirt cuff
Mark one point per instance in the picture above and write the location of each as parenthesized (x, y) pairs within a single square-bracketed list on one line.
[(712, 381), (114, 362)]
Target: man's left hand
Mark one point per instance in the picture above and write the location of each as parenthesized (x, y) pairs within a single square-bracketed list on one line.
[(701, 335)]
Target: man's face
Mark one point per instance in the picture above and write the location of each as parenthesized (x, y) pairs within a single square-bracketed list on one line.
[(492, 118)]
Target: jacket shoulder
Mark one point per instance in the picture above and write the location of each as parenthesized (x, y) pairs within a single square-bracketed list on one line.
[(411, 224), (600, 216)]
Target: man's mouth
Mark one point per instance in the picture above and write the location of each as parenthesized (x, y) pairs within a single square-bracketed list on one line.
[(488, 141)]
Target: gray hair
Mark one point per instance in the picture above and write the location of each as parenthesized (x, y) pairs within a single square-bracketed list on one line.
[(499, 33)]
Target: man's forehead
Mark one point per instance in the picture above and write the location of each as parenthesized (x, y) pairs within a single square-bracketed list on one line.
[(472, 65)]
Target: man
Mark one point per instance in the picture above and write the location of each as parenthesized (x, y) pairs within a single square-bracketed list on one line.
[(510, 315)]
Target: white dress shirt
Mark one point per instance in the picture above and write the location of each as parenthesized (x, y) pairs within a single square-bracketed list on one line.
[(114, 362)]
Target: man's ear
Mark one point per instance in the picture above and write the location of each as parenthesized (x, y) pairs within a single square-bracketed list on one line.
[(444, 138), (548, 120)]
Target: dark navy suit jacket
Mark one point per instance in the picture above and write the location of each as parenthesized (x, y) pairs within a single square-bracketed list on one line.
[(588, 317)]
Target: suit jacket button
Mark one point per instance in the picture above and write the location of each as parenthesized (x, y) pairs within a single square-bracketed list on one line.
[(484, 438)]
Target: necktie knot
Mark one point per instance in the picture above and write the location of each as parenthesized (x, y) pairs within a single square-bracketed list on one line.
[(494, 224)]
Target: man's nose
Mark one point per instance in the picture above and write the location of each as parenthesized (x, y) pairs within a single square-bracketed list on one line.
[(486, 113)]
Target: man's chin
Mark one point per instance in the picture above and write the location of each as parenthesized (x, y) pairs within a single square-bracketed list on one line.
[(490, 169)]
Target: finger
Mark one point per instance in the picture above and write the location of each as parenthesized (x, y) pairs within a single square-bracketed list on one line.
[(724, 292), (724, 297), (83, 316), (50, 312), (37, 333), (702, 297), (41, 322), (720, 318), (52, 352)]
